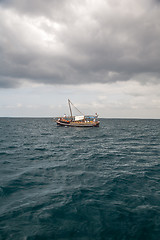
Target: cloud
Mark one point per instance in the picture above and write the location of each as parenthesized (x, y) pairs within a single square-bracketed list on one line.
[(121, 99), (70, 42)]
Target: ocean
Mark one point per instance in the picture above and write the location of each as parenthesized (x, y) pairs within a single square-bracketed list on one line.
[(79, 183)]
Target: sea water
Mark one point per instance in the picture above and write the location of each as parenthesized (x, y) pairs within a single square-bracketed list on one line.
[(79, 183)]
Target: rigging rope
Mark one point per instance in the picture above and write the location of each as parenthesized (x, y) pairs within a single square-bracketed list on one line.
[(75, 107)]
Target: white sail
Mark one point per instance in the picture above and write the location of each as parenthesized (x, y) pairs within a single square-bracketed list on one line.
[(78, 118)]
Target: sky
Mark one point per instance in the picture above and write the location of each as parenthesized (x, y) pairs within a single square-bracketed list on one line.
[(102, 55)]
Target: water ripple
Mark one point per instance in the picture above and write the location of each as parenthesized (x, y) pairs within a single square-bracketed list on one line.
[(71, 183)]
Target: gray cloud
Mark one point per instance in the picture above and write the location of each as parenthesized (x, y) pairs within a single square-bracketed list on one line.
[(63, 42), (54, 9)]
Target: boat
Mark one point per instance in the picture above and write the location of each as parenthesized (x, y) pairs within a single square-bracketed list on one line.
[(78, 121)]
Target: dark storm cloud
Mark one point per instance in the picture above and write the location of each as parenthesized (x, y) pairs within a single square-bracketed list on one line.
[(50, 8), (63, 42)]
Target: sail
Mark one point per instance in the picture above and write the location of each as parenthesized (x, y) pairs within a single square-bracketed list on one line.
[(78, 118)]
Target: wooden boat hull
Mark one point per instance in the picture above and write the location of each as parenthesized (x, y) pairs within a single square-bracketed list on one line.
[(78, 121), (77, 124)]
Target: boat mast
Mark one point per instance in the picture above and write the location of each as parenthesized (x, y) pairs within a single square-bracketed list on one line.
[(69, 103)]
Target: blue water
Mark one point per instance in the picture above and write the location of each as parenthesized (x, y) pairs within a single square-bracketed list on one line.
[(79, 183)]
